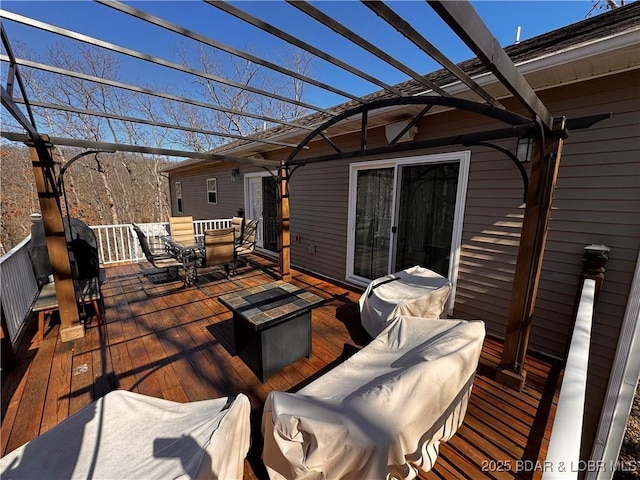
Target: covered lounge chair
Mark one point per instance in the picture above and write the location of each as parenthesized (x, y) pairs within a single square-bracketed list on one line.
[(383, 412), (128, 435)]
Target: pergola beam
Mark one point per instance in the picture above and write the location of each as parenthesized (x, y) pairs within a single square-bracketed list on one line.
[(144, 121), (123, 147), (403, 27), (353, 37), (172, 27), (155, 60), (256, 22), (147, 91), (467, 24)]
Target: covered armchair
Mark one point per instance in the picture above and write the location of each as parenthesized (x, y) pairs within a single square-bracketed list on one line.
[(219, 249), (129, 435), (415, 291)]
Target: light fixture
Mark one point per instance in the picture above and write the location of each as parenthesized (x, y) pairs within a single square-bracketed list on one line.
[(235, 173), (524, 149), (392, 130)]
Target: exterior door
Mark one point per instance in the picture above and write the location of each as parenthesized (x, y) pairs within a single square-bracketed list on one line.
[(261, 203), (406, 212)]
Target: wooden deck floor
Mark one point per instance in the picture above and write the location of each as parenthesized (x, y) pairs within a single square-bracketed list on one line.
[(177, 343)]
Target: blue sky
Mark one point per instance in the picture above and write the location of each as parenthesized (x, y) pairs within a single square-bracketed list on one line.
[(502, 17)]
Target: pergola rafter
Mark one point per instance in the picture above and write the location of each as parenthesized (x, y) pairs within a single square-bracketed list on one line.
[(548, 131)]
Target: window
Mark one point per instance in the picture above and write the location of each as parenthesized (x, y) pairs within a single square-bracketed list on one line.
[(179, 197), (212, 190)]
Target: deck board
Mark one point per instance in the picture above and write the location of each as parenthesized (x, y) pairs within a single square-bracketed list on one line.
[(168, 341)]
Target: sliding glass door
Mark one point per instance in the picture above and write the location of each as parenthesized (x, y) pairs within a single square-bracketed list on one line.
[(426, 213), (406, 212)]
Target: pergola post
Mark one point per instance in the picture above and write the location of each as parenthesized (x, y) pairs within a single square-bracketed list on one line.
[(49, 198), (284, 234), (544, 174)]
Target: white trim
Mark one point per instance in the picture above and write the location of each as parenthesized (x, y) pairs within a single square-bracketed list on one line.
[(464, 159), (563, 453), (571, 54), (621, 390)]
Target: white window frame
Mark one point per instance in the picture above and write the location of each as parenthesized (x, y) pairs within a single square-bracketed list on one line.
[(179, 202), (463, 157), (215, 190)]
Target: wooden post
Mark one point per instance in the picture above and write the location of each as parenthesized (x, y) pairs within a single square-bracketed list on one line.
[(544, 174), (49, 198), (284, 234)]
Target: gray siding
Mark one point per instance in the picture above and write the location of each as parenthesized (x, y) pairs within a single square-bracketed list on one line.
[(194, 191), (597, 200)]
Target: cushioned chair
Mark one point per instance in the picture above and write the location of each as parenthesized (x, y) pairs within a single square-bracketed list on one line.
[(162, 261), (247, 243), (181, 230), (128, 435), (219, 248), (238, 226)]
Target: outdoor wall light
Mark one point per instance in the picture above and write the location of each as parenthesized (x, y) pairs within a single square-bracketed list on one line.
[(524, 149), (235, 173), (392, 130)]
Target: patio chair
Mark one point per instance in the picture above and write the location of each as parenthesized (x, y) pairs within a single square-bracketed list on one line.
[(219, 247), (247, 243), (181, 230), (161, 261), (130, 435), (238, 226)]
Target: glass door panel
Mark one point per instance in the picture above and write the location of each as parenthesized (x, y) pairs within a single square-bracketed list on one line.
[(426, 212), (270, 214), (374, 200)]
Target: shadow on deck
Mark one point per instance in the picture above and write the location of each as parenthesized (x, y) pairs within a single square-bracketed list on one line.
[(176, 343)]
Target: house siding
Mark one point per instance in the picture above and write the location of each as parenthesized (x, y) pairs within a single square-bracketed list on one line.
[(194, 191), (597, 200)]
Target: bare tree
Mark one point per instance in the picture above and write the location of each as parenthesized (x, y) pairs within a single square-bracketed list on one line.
[(599, 6)]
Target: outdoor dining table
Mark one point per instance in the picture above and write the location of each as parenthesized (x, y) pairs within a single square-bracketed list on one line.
[(190, 254)]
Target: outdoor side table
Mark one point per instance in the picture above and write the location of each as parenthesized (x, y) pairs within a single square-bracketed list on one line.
[(271, 325)]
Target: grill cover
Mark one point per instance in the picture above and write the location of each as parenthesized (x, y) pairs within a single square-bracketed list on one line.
[(83, 251)]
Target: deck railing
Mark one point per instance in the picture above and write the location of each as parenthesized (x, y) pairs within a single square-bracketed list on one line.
[(18, 286), (117, 244), (563, 456)]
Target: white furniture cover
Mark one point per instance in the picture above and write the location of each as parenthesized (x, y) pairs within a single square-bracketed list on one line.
[(380, 413), (125, 435), (416, 291)]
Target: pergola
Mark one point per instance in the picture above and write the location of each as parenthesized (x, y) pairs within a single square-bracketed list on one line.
[(547, 131)]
